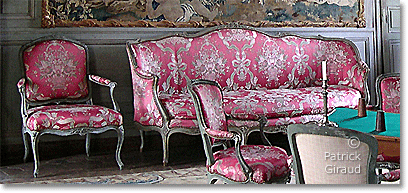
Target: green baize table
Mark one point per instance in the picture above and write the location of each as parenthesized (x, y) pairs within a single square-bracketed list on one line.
[(388, 140)]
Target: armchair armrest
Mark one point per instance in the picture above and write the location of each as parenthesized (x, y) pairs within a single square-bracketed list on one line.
[(21, 83), (99, 80), (245, 167), (21, 90), (106, 82)]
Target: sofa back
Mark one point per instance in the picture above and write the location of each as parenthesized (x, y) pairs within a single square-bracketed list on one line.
[(244, 58)]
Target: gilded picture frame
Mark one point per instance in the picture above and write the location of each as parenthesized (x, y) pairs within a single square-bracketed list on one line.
[(202, 13)]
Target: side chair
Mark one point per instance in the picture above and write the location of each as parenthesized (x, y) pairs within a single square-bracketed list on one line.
[(242, 164), (56, 95), (333, 155)]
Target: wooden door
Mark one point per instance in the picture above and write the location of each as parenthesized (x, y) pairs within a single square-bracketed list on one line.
[(390, 35)]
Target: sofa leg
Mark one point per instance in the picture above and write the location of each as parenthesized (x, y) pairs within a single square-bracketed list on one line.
[(165, 137), (141, 141)]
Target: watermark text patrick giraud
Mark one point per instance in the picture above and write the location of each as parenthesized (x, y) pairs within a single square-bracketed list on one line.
[(343, 160)]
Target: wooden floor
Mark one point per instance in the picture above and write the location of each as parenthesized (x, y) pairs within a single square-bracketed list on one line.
[(185, 151)]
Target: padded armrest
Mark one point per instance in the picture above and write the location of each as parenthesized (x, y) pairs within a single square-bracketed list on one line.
[(106, 82), (99, 80), (21, 83), (219, 134)]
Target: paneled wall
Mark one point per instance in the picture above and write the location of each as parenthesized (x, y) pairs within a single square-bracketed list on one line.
[(20, 23)]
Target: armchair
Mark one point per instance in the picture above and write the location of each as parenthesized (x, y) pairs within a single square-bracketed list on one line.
[(56, 95), (243, 164), (332, 155)]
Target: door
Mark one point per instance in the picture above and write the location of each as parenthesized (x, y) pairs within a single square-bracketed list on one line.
[(390, 35)]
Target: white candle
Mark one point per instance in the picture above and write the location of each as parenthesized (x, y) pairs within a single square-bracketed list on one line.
[(324, 70)]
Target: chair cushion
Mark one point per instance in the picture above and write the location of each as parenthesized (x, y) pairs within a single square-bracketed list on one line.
[(268, 163), (273, 103), (63, 117)]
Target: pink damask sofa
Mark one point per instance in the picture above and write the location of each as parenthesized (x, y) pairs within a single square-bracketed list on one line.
[(278, 77)]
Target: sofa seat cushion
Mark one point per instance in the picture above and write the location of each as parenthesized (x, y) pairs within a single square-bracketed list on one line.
[(274, 103), (63, 117), (267, 163), (179, 106)]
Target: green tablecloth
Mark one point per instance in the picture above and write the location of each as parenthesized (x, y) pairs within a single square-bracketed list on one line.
[(347, 118)]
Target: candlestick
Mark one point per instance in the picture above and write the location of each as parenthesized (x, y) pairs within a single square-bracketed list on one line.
[(324, 72), (325, 121)]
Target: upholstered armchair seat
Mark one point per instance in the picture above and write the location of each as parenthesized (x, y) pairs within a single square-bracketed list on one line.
[(63, 117), (267, 162)]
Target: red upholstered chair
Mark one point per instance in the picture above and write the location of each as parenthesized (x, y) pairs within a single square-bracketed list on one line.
[(239, 164), (56, 95), (388, 92)]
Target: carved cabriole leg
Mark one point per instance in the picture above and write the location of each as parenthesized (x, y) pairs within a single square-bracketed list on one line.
[(34, 143), (141, 140), (121, 134), (87, 144), (26, 145), (165, 138)]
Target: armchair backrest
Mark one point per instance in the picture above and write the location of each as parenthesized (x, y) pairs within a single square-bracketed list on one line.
[(330, 155), (55, 69), (388, 92), (207, 97)]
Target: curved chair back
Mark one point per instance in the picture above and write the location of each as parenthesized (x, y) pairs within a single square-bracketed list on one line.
[(388, 92), (56, 70), (207, 96), (329, 155)]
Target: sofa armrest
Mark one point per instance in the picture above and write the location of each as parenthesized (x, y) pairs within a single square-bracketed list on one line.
[(147, 107), (108, 83)]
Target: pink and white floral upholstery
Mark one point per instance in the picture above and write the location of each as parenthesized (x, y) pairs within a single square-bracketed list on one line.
[(64, 117), (267, 164), (391, 176), (55, 69), (55, 95), (276, 76), (388, 90)]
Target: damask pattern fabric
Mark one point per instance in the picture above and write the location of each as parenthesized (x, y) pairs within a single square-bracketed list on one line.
[(267, 163), (54, 70), (273, 103), (390, 94), (248, 65), (392, 175), (63, 117), (213, 112)]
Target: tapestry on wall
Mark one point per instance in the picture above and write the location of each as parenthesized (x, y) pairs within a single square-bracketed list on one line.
[(202, 13)]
